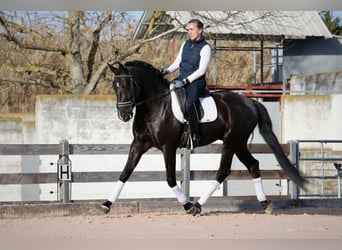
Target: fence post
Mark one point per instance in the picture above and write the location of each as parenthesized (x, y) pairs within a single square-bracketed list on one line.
[(294, 159), (64, 172), (185, 167)]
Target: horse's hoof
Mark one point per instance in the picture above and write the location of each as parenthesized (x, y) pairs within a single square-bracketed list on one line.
[(187, 207), (195, 209), (267, 205), (105, 207)]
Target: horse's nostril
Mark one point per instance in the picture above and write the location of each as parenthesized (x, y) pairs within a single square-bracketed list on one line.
[(125, 116)]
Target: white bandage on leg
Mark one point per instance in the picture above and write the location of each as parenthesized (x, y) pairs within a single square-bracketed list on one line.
[(180, 195), (116, 191), (211, 189), (259, 190)]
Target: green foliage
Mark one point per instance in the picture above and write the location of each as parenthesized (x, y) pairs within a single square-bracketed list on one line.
[(334, 24)]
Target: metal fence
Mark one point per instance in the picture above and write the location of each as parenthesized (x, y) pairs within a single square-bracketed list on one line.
[(320, 160)]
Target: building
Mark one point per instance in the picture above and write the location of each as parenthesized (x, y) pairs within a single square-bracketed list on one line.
[(302, 42)]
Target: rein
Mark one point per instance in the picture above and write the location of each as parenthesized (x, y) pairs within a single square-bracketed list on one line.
[(153, 98)]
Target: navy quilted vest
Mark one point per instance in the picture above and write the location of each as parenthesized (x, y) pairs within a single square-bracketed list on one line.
[(191, 57)]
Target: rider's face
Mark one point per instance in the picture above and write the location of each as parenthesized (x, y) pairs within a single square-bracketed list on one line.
[(194, 33)]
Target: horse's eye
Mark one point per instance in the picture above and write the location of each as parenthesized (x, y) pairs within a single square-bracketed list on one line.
[(117, 84)]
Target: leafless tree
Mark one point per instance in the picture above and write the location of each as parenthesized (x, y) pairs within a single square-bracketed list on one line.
[(65, 50), (70, 50)]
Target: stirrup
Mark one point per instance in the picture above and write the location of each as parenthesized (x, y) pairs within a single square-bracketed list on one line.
[(196, 140)]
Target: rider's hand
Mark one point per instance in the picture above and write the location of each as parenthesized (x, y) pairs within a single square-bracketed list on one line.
[(178, 83)]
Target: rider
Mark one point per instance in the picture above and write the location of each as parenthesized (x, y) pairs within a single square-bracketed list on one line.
[(193, 60)]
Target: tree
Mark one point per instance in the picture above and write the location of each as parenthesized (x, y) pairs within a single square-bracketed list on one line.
[(65, 50), (334, 24)]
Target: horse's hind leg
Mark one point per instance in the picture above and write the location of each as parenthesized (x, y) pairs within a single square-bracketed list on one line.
[(253, 167)]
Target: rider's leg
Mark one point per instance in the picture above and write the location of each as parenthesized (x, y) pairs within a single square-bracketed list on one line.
[(194, 125), (192, 95)]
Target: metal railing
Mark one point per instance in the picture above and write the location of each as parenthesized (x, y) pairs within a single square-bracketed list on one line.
[(328, 162)]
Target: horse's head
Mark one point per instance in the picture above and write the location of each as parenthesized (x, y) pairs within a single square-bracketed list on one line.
[(123, 86)]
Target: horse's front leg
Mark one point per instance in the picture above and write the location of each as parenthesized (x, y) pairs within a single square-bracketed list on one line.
[(136, 150), (223, 171), (170, 164)]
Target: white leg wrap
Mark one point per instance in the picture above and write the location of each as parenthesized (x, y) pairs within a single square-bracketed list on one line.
[(259, 189), (116, 191), (180, 195), (211, 189)]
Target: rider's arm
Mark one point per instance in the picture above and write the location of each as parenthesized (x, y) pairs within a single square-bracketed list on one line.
[(175, 65), (203, 65)]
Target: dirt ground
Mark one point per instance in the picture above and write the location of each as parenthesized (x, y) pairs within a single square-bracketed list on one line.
[(292, 223)]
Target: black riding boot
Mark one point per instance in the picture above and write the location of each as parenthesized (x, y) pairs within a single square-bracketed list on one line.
[(194, 125)]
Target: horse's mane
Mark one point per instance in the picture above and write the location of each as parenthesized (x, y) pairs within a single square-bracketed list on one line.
[(146, 66)]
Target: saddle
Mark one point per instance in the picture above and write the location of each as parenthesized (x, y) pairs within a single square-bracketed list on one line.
[(206, 106)]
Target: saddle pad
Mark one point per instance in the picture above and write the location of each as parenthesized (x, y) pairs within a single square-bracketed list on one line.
[(207, 103)]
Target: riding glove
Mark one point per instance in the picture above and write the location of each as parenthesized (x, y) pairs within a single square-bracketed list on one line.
[(178, 83)]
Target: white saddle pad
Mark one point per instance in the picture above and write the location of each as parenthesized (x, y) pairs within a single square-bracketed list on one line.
[(208, 105)]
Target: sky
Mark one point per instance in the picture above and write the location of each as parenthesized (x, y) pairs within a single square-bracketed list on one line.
[(338, 14)]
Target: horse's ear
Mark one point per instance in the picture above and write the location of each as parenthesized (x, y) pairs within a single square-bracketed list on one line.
[(112, 68), (117, 70)]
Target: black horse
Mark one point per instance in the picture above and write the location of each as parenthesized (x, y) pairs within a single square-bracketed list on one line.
[(140, 85)]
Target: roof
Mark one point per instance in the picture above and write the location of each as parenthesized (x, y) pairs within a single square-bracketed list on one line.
[(240, 25)]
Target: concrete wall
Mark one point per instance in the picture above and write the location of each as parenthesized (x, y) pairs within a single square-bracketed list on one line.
[(312, 117), (79, 119), (328, 83), (17, 129)]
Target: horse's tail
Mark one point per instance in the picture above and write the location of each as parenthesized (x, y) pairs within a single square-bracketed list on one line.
[(265, 127)]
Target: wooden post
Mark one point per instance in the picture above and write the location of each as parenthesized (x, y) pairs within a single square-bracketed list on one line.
[(185, 168), (64, 172), (215, 63)]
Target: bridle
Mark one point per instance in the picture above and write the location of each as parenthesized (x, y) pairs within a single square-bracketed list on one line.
[(132, 83), (131, 103)]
